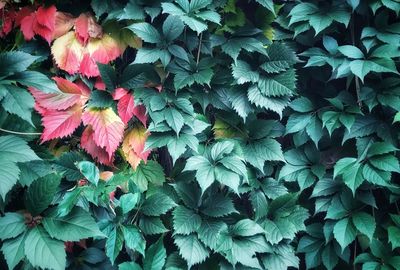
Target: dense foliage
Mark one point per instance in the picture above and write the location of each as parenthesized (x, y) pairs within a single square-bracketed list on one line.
[(228, 134)]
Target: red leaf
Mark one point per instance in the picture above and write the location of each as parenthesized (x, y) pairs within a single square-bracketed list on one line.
[(70, 95), (43, 31), (81, 29), (27, 26), (126, 106), (46, 17), (58, 124), (86, 27), (107, 126), (88, 144), (133, 146), (99, 84), (140, 112), (8, 21), (42, 22), (22, 13)]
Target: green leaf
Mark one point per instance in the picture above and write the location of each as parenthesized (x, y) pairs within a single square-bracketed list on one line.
[(380, 148), (12, 62), (174, 119), (77, 225), (13, 250), (344, 232), (128, 201), (364, 223), (35, 79), (129, 266), (385, 163), (220, 149), (11, 225), (157, 204), (234, 46), (108, 76), (218, 206), (228, 178), (90, 171), (258, 152), (191, 249), (114, 243), (375, 176), (146, 32), (47, 252), (204, 171), (297, 122), (9, 173), (268, 4), (152, 225), (210, 232), (150, 172), (351, 51), (247, 227), (19, 102), (66, 165), (394, 236), (172, 28), (361, 68), (134, 239), (302, 105), (41, 192), (155, 256), (185, 221), (194, 24), (319, 22), (329, 257)]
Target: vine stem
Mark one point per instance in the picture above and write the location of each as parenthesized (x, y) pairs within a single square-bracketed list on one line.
[(356, 79), (355, 254), (199, 49), (20, 133)]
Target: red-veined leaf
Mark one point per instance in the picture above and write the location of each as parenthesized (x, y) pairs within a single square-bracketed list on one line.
[(59, 124), (107, 126), (98, 153), (70, 95)]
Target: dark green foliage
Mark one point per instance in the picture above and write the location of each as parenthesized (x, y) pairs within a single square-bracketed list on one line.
[(273, 130)]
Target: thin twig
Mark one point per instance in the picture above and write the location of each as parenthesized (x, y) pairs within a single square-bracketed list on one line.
[(20, 133), (199, 49)]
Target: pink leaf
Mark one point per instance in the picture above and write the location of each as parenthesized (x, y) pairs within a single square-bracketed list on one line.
[(99, 84), (98, 153), (70, 95), (126, 106), (107, 126), (58, 124)]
